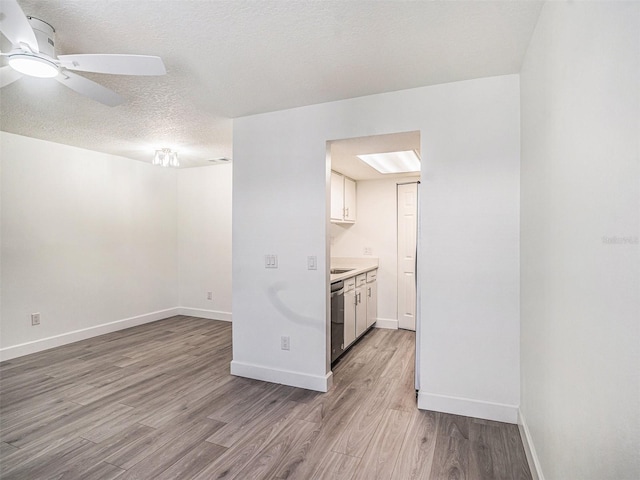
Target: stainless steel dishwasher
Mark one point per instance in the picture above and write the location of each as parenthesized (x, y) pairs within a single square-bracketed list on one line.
[(337, 319)]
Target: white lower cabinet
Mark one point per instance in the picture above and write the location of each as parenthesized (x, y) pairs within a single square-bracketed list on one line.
[(372, 302), (349, 311), (360, 305)]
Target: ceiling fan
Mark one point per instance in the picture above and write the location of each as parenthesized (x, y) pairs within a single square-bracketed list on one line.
[(33, 54)]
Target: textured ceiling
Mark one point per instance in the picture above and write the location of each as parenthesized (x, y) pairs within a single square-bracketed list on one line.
[(227, 59)]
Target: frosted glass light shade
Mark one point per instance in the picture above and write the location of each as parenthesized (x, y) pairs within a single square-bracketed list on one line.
[(33, 66), (164, 157)]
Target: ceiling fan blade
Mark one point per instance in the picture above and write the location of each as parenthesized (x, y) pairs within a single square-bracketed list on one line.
[(8, 75), (15, 26), (90, 89), (114, 64)]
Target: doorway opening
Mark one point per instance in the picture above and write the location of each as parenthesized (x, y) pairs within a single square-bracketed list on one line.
[(372, 233)]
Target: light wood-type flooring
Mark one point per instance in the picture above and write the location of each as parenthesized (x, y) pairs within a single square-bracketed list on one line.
[(157, 402)]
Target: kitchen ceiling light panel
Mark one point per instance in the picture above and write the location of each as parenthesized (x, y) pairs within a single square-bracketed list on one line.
[(393, 162)]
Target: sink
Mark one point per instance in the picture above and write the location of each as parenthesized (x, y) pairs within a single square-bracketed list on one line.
[(335, 271)]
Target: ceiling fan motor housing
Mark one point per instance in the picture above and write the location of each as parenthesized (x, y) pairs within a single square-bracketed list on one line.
[(45, 36)]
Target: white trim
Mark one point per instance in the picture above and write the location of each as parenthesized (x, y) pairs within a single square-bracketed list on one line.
[(35, 346), (201, 313), (498, 412), (529, 448), (285, 377), (389, 323)]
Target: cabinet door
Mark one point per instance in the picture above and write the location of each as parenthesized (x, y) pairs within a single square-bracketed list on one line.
[(361, 310), (349, 317), (349, 200), (337, 196), (372, 303)]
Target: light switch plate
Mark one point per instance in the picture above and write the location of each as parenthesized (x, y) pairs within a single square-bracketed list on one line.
[(270, 261), (312, 263)]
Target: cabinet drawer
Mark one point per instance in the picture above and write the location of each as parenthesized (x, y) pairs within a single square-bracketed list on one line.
[(361, 279), (372, 275), (350, 284)]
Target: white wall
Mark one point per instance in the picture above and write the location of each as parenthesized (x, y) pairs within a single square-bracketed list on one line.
[(580, 289), (204, 240), (96, 243), (88, 239), (376, 227), (469, 269)]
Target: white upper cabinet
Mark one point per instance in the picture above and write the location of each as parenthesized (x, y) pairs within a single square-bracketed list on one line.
[(343, 199), (349, 200), (337, 197)]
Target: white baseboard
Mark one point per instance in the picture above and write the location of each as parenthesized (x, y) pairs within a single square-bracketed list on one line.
[(39, 345), (202, 313), (467, 407), (389, 323), (529, 448), (284, 377)]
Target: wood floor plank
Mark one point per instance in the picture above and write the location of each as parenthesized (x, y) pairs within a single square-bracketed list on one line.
[(171, 452), (5, 450), (92, 471), (515, 451), (404, 395), (488, 453), (382, 453), (34, 413), (274, 455), (455, 426), (77, 422), (336, 466), (416, 455), (222, 392), (234, 459), (52, 464), (451, 458), (269, 410), (196, 460), (357, 434)]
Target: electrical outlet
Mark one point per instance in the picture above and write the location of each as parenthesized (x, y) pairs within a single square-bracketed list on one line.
[(368, 251), (35, 319), (209, 295), (285, 343)]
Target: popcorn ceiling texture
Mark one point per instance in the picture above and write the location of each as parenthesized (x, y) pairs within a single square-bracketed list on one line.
[(227, 59)]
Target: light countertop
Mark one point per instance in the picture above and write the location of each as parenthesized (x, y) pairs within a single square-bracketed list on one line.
[(356, 266)]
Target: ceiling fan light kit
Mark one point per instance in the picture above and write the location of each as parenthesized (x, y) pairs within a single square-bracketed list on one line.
[(33, 66), (33, 54)]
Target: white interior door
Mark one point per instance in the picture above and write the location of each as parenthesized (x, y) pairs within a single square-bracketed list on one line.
[(407, 241)]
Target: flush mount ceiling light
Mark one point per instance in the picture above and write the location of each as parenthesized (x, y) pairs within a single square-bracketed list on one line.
[(33, 66), (393, 162), (164, 157)]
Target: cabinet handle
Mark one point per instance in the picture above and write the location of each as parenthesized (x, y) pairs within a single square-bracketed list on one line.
[(347, 212), (369, 292)]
